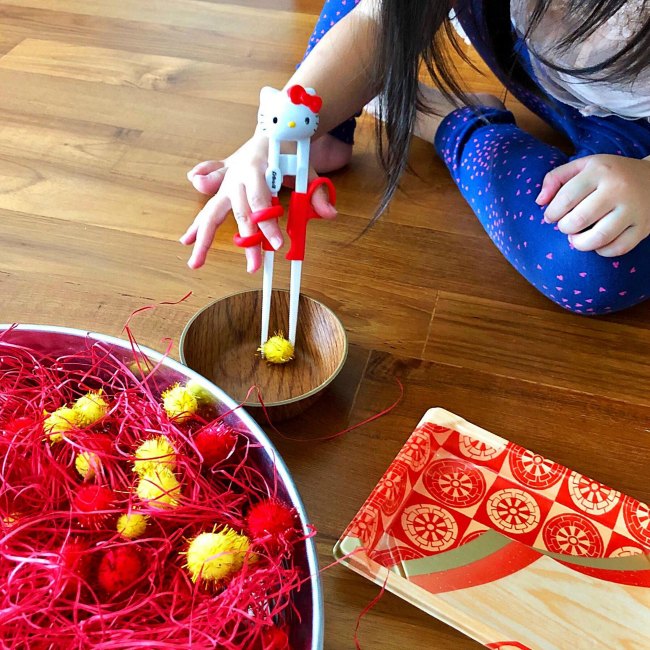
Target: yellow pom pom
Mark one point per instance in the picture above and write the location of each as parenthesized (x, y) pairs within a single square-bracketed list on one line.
[(277, 349), (141, 368), (202, 394), (60, 421), (159, 488), (215, 556), (179, 402), (153, 453), (8, 521), (132, 525), (90, 408), (87, 464)]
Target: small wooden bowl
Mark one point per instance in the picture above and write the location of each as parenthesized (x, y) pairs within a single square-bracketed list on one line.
[(220, 342)]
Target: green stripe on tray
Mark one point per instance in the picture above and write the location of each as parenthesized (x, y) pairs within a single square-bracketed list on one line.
[(489, 542)]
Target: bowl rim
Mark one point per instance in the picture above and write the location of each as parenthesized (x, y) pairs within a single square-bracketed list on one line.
[(253, 427), (285, 402)]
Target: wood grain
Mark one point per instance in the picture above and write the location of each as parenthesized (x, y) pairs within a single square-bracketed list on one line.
[(107, 104)]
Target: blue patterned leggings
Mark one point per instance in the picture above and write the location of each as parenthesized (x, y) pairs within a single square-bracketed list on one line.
[(499, 170)]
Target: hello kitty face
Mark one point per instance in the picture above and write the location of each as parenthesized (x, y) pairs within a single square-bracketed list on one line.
[(290, 114)]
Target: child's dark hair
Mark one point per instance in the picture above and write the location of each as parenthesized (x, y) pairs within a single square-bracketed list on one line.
[(416, 32), (411, 33)]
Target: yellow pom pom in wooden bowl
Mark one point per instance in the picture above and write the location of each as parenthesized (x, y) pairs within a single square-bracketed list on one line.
[(221, 343)]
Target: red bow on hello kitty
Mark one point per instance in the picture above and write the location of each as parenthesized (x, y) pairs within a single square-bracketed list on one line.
[(298, 95)]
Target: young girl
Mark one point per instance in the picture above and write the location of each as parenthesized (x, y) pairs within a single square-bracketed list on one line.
[(576, 227)]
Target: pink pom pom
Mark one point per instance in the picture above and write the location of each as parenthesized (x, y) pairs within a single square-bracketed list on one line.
[(215, 442), (119, 568), (91, 503), (271, 521)]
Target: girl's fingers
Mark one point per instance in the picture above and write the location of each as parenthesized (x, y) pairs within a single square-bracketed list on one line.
[(554, 180), (321, 203), (569, 197), (602, 233), (210, 183), (320, 200), (190, 234), (586, 213), (205, 167), (242, 211), (204, 228), (624, 243), (259, 197), (207, 176)]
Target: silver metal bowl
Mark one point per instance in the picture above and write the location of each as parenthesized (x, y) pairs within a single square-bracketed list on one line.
[(307, 629)]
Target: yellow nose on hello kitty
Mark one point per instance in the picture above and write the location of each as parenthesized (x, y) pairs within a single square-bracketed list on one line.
[(291, 125)]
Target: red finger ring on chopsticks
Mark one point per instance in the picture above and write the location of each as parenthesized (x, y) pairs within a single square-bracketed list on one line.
[(275, 211), (255, 239)]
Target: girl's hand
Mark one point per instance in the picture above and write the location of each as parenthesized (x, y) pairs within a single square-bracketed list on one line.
[(238, 184), (602, 202)]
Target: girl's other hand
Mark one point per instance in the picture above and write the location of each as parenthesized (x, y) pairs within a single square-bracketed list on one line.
[(601, 202)]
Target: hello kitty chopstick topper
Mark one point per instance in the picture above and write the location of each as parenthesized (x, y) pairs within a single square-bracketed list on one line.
[(289, 115)]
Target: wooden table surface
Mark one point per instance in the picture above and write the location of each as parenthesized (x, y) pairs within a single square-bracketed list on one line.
[(104, 106)]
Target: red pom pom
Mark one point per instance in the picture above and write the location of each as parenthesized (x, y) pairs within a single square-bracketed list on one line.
[(215, 443), (18, 425), (275, 638), (74, 562), (98, 443), (101, 443), (271, 521), (119, 568), (90, 501)]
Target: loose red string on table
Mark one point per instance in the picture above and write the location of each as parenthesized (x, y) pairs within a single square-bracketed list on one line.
[(256, 389), (137, 352), (366, 610), (154, 306), (329, 436)]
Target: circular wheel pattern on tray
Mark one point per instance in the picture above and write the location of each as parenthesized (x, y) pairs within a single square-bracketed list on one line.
[(626, 551), (513, 511), (365, 525), (590, 496), (572, 534), (429, 527), (454, 483), (417, 450), (389, 557), (392, 487), (534, 471), (637, 520), (477, 449)]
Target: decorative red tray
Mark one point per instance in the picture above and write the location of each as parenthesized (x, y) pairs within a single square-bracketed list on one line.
[(507, 546)]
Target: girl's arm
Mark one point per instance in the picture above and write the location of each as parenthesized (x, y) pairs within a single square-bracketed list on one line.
[(340, 66), (340, 69)]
